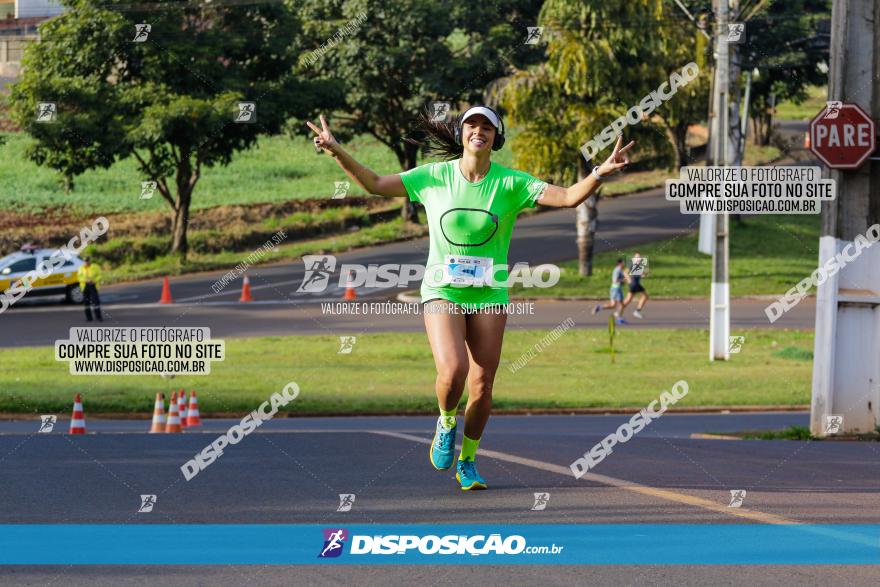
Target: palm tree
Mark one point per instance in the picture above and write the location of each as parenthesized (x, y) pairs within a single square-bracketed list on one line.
[(602, 57)]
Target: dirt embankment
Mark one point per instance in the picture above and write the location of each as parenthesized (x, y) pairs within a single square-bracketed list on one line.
[(221, 227)]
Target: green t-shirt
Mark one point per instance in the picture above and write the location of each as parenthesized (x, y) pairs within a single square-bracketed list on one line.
[(470, 225)]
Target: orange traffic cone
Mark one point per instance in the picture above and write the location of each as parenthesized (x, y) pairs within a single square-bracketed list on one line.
[(181, 407), (807, 140), (166, 293), (77, 419), (192, 418), (349, 290), (246, 290), (158, 414), (173, 424)]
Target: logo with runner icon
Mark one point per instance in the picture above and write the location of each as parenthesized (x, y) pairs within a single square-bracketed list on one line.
[(638, 266), (147, 504), (346, 501), (832, 109), (833, 424), (541, 501), (735, 343), (346, 344), (341, 189), (47, 423), (334, 540), (440, 111), (736, 32), (737, 497), (319, 268)]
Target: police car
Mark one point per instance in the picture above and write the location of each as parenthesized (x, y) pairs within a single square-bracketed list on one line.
[(62, 281)]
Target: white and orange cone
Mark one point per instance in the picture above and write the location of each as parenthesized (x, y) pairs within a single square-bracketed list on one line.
[(181, 407), (173, 424), (78, 418), (166, 293), (349, 294), (158, 414), (246, 290), (192, 418)]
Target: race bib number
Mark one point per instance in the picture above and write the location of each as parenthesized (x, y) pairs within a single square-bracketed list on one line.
[(467, 270)]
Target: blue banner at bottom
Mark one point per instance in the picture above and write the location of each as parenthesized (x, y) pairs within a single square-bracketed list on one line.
[(416, 544)]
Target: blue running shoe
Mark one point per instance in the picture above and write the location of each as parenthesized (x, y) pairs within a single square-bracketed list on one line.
[(466, 474), (443, 448)]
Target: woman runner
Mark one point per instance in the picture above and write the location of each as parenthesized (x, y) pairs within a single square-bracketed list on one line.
[(471, 205)]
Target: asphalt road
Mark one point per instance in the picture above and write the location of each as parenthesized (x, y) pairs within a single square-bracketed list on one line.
[(44, 328), (291, 471)]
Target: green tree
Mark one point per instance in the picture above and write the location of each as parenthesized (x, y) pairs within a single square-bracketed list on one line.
[(170, 100), (683, 43), (409, 53), (786, 42)]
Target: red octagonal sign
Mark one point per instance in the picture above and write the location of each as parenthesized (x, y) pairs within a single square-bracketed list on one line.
[(842, 136)]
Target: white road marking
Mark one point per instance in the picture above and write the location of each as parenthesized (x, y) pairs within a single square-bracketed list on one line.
[(619, 483)]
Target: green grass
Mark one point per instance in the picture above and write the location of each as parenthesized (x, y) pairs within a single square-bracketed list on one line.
[(795, 433), (760, 155), (390, 372), (768, 255), (790, 433), (816, 98), (635, 181), (794, 354), (278, 169)]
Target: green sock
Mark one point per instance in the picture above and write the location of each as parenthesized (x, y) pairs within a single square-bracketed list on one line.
[(468, 448), (448, 417)]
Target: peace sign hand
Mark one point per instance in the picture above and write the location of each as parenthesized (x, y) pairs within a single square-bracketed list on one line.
[(618, 159), (324, 138)]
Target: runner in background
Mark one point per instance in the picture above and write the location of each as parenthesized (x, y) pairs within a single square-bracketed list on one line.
[(638, 270), (619, 276)]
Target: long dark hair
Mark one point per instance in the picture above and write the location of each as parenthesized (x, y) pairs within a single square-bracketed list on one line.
[(436, 137)]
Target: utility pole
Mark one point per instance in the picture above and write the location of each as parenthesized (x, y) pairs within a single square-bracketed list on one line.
[(744, 127), (719, 316), (846, 368), (734, 134)]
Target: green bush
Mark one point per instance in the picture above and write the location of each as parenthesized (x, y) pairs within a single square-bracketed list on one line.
[(125, 250)]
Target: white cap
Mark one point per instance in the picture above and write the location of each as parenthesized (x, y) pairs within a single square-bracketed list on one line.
[(493, 118)]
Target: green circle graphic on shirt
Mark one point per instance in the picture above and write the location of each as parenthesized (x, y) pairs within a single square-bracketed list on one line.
[(468, 227)]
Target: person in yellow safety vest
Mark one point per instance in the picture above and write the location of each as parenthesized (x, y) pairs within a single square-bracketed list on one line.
[(89, 278)]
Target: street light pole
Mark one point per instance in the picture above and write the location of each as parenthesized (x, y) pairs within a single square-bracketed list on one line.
[(719, 317)]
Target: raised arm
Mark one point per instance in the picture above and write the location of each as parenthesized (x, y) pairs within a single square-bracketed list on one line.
[(381, 185), (559, 197)]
